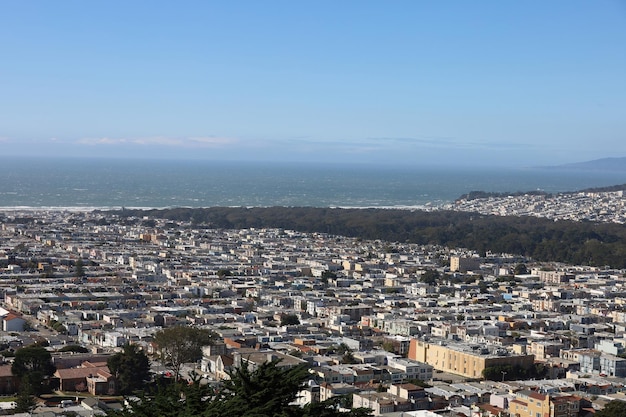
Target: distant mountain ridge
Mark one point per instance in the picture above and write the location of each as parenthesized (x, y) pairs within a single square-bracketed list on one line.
[(603, 164)]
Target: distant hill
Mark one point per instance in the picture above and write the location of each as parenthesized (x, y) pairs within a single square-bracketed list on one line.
[(604, 164), (474, 195), (610, 188)]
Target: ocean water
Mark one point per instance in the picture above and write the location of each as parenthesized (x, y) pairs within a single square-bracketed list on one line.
[(107, 183)]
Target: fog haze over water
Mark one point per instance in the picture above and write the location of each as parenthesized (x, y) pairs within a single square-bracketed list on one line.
[(114, 183)]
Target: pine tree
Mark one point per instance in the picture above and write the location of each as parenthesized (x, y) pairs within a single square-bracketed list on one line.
[(131, 368), (25, 401), (79, 268), (267, 391), (260, 392), (34, 365)]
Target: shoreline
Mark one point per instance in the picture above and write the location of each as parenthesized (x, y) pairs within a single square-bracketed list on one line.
[(84, 209)]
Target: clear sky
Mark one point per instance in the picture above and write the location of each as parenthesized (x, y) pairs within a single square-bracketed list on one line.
[(406, 82)]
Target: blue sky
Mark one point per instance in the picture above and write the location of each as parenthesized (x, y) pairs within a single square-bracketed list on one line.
[(402, 82)]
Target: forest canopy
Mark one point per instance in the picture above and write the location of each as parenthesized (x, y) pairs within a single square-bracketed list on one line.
[(580, 243)]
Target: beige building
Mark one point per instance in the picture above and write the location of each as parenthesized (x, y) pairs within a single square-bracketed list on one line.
[(533, 404), (462, 264), (380, 402), (544, 349), (463, 359), (554, 277)]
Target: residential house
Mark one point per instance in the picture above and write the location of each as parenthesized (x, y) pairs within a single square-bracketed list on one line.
[(94, 378), (218, 365), (328, 390), (415, 394), (13, 322), (533, 404), (8, 382), (380, 402)]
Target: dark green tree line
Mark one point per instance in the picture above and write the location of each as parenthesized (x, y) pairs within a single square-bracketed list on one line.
[(586, 243), (514, 372)]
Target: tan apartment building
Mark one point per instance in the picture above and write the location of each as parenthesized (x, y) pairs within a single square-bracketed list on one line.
[(534, 404), (463, 264), (463, 359), (554, 277)]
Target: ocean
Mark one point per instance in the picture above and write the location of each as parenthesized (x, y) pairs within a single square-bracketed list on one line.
[(115, 183)]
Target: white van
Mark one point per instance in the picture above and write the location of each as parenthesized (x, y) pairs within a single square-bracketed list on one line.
[(66, 403)]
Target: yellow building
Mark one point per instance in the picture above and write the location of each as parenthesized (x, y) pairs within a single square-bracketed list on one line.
[(534, 404), (463, 359)]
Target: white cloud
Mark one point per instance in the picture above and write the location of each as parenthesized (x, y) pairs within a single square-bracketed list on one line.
[(213, 141), (101, 141), (190, 142), (162, 141)]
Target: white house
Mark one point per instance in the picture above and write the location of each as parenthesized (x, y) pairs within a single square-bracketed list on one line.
[(13, 322)]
